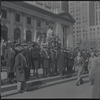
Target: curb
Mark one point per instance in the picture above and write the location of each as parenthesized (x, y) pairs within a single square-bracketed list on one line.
[(40, 83)]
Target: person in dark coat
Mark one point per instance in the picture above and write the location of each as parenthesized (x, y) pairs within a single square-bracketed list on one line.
[(52, 61), (61, 62), (49, 69), (9, 58), (86, 59), (45, 57), (71, 62), (21, 68), (35, 59), (56, 57), (78, 65), (68, 61), (27, 56)]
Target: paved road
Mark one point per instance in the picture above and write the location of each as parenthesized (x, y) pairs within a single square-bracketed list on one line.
[(62, 90)]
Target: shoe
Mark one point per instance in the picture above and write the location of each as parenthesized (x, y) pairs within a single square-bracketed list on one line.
[(20, 91), (77, 84), (25, 91)]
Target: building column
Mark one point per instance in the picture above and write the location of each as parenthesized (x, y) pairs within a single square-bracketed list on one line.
[(59, 31), (32, 29), (23, 35), (35, 29), (11, 31), (54, 28), (70, 37)]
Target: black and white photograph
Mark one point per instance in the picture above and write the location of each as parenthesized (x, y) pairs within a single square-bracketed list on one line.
[(50, 49)]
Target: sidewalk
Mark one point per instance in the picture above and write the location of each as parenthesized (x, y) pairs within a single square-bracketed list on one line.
[(38, 83)]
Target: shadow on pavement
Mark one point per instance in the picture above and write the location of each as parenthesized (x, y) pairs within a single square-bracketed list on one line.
[(35, 85)]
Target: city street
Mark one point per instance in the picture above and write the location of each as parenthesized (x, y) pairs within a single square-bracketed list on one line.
[(50, 49), (59, 90)]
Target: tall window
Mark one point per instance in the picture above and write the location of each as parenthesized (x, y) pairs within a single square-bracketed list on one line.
[(4, 13), (4, 32), (29, 20), (17, 17)]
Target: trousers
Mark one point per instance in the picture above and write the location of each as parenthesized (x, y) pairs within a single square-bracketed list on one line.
[(21, 85)]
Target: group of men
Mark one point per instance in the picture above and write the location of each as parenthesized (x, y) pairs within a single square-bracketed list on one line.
[(53, 60)]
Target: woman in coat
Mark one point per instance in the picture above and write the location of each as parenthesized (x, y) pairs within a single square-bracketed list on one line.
[(78, 64), (91, 67), (96, 88), (21, 70), (9, 58)]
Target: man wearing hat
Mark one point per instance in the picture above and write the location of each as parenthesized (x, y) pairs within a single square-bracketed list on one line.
[(9, 57), (35, 52), (21, 69), (27, 56)]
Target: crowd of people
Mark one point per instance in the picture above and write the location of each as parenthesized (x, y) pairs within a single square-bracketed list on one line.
[(19, 58)]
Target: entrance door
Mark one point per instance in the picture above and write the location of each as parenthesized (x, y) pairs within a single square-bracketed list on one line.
[(4, 32), (17, 34)]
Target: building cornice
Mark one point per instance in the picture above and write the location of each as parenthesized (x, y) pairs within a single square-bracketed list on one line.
[(16, 6), (33, 10)]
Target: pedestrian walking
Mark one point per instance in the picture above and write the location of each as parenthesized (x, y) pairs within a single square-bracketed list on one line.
[(96, 88), (78, 64), (91, 67)]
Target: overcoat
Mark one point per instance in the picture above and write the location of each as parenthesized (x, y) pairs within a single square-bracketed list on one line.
[(71, 62), (52, 56), (20, 68), (9, 58), (61, 61), (91, 68), (45, 56), (27, 55), (35, 58), (96, 88)]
